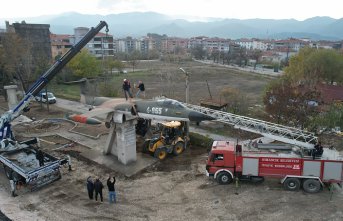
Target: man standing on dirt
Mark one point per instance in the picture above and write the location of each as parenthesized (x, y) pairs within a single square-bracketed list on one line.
[(90, 187), (111, 190), (98, 186)]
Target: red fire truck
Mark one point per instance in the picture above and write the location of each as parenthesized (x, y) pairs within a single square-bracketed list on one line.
[(296, 168)]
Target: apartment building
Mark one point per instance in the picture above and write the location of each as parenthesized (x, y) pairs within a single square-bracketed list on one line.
[(173, 45), (128, 45), (60, 44), (292, 44), (147, 44), (102, 45), (216, 44)]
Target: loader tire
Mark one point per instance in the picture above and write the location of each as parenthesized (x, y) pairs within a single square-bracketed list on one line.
[(179, 147), (161, 153)]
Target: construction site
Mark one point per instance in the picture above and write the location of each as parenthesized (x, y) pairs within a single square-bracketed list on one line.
[(171, 159)]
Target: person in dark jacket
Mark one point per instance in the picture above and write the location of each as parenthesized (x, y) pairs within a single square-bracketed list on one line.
[(127, 88), (90, 187), (98, 186), (111, 190), (40, 157), (141, 89)]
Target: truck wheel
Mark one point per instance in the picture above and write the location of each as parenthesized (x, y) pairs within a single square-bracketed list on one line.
[(178, 148), (257, 179), (311, 186), (161, 153), (292, 184), (224, 178)]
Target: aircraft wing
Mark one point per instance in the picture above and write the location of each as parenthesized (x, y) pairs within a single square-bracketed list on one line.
[(98, 112)]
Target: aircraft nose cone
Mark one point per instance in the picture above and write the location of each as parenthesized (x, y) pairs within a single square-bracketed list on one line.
[(197, 116)]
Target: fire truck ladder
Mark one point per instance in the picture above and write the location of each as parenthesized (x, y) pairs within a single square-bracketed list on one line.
[(274, 131)]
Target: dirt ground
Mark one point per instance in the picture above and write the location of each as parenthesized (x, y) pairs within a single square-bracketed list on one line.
[(175, 189)]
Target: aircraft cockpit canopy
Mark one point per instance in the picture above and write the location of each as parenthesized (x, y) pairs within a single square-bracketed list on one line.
[(171, 103)]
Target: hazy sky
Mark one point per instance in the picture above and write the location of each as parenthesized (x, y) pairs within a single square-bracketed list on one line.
[(274, 9)]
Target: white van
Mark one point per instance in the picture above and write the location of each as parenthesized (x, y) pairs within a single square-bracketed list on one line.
[(42, 97)]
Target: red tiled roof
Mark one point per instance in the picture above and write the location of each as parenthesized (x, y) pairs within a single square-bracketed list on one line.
[(100, 34)]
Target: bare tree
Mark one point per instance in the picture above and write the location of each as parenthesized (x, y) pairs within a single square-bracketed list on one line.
[(17, 59)]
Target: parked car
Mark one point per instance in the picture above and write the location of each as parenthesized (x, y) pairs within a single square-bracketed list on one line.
[(42, 97)]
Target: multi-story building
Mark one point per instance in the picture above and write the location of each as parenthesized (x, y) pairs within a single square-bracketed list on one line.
[(147, 44), (292, 44), (216, 44), (128, 45), (196, 41), (173, 45), (245, 43), (101, 45)]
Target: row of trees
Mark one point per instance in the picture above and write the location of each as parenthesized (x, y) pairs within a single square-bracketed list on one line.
[(236, 55), (295, 96)]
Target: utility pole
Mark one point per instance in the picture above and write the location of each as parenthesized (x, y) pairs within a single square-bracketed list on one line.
[(187, 100), (187, 84)]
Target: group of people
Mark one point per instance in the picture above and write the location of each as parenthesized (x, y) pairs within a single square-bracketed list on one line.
[(94, 189), (127, 89)]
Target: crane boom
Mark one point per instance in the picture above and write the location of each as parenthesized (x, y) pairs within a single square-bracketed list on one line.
[(274, 131)]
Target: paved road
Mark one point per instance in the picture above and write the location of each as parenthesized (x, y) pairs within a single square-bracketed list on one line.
[(247, 68)]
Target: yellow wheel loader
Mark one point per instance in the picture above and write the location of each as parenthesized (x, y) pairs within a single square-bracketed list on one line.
[(170, 139)]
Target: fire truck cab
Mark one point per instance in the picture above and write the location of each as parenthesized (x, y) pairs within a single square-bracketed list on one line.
[(296, 168)]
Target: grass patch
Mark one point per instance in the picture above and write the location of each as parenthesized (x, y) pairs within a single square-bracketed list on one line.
[(67, 91)]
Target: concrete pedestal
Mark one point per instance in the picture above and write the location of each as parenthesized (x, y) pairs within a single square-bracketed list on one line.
[(121, 141), (12, 99)]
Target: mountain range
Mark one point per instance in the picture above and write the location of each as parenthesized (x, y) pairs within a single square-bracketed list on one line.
[(138, 24)]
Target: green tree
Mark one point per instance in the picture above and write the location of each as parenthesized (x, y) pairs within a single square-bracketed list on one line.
[(215, 56), (198, 52), (242, 57), (330, 119), (85, 65), (325, 64), (256, 55), (134, 59), (237, 102), (287, 103), (311, 66), (111, 64)]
